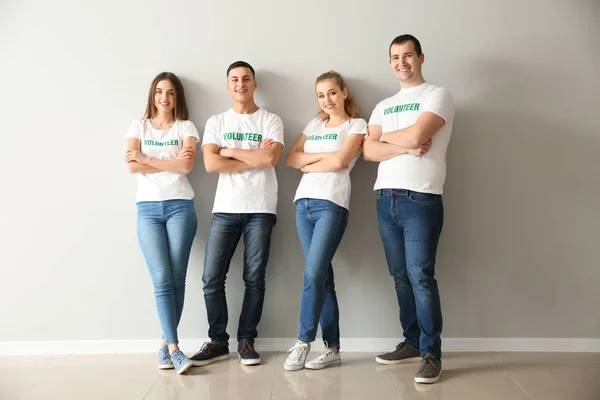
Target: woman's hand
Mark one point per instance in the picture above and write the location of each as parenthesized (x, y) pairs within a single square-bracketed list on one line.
[(187, 153), (134, 156)]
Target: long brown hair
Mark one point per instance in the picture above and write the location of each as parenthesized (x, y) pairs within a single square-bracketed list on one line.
[(180, 111), (349, 105)]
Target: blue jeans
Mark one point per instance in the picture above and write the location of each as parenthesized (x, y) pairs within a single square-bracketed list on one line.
[(410, 224), (223, 237), (321, 225), (166, 230)]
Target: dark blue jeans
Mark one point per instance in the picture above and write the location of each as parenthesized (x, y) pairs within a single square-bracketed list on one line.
[(223, 238), (410, 224), (321, 225), (166, 230)]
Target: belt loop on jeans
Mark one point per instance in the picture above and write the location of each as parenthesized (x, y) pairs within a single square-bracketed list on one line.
[(400, 192)]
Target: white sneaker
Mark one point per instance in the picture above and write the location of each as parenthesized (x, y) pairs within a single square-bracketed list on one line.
[(325, 358), (297, 357)]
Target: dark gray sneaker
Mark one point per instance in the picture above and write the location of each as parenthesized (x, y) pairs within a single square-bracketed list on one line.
[(404, 353), (430, 369)]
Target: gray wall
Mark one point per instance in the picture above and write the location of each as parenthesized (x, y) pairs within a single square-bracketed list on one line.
[(518, 256)]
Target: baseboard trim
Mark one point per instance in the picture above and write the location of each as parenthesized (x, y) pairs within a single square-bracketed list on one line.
[(283, 344)]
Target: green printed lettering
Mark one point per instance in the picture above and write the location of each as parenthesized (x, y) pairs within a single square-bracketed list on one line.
[(248, 136), (402, 108), (150, 142)]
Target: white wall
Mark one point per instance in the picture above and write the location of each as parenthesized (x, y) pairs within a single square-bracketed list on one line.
[(518, 255)]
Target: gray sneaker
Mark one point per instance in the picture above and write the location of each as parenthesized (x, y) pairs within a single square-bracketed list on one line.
[(430, 370), (404, 353)]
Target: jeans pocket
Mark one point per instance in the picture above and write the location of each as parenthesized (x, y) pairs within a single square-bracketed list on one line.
[(424, 198)]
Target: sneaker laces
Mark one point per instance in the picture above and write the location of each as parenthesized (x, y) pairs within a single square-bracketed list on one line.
[(205, 349), (297, 351), (178, 356), (164, 352), (247, 346), (324, 354), (428, 365)]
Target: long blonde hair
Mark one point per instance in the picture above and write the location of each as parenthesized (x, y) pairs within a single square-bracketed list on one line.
[(349, 105)]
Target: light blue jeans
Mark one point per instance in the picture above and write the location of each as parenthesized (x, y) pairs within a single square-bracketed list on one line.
[(166, 230), (321, 225)]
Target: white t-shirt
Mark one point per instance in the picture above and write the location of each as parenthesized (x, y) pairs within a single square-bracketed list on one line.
[(163, 145), (333, 186), (426, 173), (255, 190)]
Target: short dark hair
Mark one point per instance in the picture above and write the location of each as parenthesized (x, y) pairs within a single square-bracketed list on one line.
[(239, 64), (407, 38)]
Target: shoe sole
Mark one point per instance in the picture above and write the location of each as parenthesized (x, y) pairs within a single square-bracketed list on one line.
[(428, 380), (185, 368), (203, 363), (396, 362), (252, 361), (166, 366), (293, 367), (321, 366)]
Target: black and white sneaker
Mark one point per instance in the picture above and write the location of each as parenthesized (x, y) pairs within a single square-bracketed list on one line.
[(247, 353), (209, 353)]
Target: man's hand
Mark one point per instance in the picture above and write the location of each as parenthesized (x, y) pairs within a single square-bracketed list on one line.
[(422, 149), (225, 152), (266, 144)]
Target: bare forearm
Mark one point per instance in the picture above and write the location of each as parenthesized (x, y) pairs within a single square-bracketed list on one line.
[(217, 163), (379, 151), (183, 166), (259, 158), (298, 159), (407, 138), (135, 167), (329, 163)]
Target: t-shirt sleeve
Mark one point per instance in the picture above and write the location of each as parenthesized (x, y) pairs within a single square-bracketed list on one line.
[(189, 129), (135, 130), (376, 115), (358, 127), (440, 103), (312, 126), (210, 133), (275, 130)]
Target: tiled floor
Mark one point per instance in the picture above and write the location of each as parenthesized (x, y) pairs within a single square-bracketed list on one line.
[(466, 376)]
